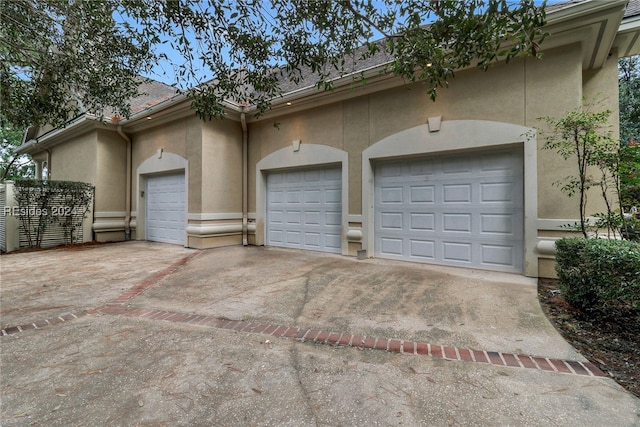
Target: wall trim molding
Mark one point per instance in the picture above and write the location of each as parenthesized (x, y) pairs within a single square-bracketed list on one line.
[(212, 216), (115, 214), (103, 226), (212, 230)]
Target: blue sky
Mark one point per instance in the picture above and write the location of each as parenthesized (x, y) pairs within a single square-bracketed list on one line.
[(165, 73)]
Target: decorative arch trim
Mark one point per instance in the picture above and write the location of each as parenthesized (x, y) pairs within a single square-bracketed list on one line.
[(455, 136), (308, 155), (160, 163)]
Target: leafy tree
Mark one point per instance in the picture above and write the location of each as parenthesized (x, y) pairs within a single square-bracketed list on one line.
[(61, 58), (13, 166), (629, 85), (629, 90), (56, 51), (630, 176), (582, 136), (45, 204)]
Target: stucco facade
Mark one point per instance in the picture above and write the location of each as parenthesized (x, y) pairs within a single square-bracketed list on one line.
[(226, 163)]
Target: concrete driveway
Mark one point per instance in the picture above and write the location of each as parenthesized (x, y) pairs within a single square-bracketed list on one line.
[(143, 334)]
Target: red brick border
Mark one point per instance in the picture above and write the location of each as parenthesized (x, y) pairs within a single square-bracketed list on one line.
[(155, 278), (118, 307), (108, 308), (12, 330), (370, 342), (334, 338)]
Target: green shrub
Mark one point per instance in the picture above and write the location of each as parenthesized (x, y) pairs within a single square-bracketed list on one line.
[(44, 203), (599, 274)]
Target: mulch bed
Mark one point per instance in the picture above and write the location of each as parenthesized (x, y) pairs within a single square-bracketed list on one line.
[(611, 341), (66, 247)]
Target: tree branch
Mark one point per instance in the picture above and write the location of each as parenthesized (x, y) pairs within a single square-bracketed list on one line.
[(357, 14)]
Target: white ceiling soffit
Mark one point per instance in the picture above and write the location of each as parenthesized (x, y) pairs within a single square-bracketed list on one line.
[(628, 40), (593, 23)]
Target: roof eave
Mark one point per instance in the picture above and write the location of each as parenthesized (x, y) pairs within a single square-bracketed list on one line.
[(598, 21), (169, 110), (628, 39), (593, 23), (78, 126)]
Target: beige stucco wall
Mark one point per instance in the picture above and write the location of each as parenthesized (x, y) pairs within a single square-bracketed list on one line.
[(601, 93), (554, 87), (212, 151), (111, 172), (75, 160), (518, 93), (182, 137), (221, 183)]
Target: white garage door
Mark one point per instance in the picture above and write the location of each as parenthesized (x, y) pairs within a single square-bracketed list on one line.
[(454, 210), (166, 212), (304, 209)]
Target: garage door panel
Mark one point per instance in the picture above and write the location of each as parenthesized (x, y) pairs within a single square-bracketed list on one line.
[(391, 220), (497, 255), (391, 170), (496, 192), (293, 196), (312, 175), (422, 169), (312, 218), (166, 208), (391, 195), (390, 246), (293, 217), (333, 219), (498, 162), (455, 168), (452, 210), (456, 193), (333, 196), (276, 216), (312, 239), (294, 238), (425, 249), (422, 193), (456, 223), (276, 197), (333, 174), (313, 196), (333, 241), (497, 223), (456, 251), (276, 237), (311, 209), (423, 221), (293, 177)]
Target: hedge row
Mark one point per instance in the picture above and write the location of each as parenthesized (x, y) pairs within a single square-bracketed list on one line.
[(599, 274)]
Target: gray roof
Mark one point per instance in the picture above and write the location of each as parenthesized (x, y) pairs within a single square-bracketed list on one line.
[(633, 8), (562, 4), (357, 64), (151, 93), (154, 92), (354, 64)]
